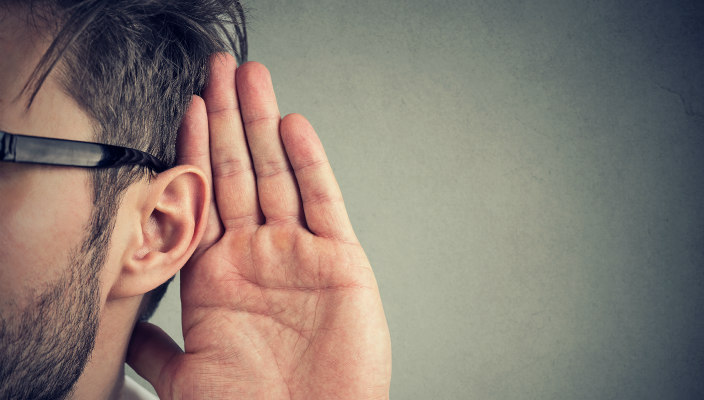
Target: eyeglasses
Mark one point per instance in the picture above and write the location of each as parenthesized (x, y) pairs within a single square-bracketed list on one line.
[(41, 150)]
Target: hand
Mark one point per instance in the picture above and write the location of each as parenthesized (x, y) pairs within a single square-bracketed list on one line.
[(279, 301)]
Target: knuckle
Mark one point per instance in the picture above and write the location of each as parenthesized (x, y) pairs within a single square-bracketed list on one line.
[(230, 168), (322, 197), (252, 121), (272, 168), (311, 164)]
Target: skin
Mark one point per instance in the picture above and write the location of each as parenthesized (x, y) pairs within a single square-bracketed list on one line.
[(28, 221), (278, 298), (45, 213)]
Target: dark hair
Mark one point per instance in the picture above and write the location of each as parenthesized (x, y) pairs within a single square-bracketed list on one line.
[(133, 66)]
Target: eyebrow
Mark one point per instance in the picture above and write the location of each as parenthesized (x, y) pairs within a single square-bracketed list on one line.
[(51, 151)]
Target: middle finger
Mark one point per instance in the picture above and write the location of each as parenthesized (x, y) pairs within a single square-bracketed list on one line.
[(279, 197), (233, 180)]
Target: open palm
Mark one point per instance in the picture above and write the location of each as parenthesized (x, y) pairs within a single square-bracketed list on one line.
[(279, 301)]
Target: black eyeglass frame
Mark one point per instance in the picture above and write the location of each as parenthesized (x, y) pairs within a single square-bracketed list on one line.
[(71, 153)]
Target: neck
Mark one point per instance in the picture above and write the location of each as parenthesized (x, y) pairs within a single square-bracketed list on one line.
[(103, 376)]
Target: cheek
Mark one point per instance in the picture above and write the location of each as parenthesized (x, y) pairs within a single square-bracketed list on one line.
[(43, 220)]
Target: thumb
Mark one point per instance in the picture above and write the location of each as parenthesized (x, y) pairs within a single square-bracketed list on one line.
[(150, 352)]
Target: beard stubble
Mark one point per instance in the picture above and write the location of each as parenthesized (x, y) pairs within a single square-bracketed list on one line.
[(45, 347)]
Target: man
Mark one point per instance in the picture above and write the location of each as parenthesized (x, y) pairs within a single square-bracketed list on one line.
[(278, 297)]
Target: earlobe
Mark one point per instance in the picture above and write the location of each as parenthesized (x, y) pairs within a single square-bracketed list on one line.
[(172, 218)]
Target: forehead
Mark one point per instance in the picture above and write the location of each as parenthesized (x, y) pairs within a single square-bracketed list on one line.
[(53, 113)]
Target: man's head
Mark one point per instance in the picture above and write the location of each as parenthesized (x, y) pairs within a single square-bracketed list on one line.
[(109, 71)]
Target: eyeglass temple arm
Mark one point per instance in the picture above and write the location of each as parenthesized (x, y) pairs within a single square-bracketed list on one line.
[(7, 151), (30, 149)]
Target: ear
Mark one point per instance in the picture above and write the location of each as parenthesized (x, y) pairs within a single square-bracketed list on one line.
[(172, 215)]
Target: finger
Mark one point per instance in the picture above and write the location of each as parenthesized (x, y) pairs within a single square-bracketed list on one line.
[(192, 148), (277, 188), (149, 353), (325, 212), (233, 178), (192, 141)]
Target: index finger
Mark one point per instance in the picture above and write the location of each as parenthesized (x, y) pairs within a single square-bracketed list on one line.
[(192, 148), (192, 140)]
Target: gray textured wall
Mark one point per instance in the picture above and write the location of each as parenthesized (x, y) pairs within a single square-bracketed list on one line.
[(526, 178)]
